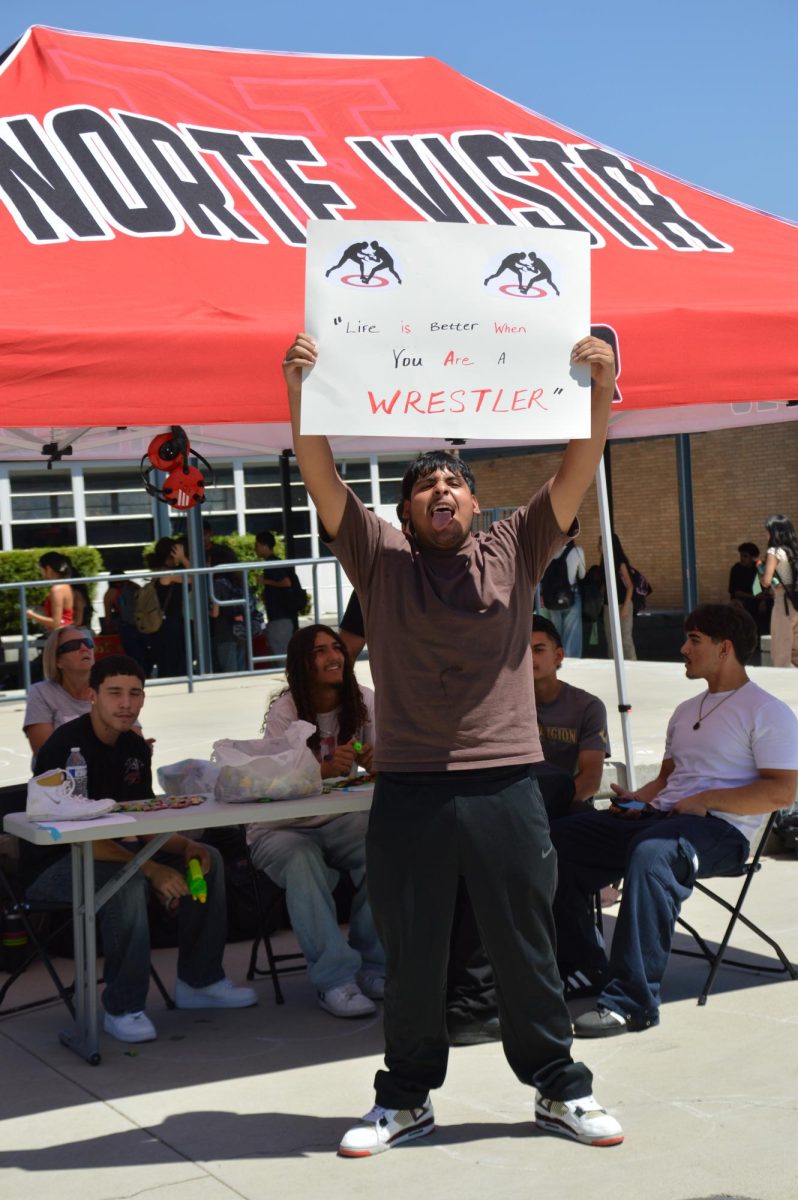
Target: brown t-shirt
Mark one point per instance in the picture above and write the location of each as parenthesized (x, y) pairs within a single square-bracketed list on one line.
[(448, 637)]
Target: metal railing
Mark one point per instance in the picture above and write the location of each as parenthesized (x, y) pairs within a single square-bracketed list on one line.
[(197, 594)]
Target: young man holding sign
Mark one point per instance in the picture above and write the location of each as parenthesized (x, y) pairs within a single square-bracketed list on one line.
[(447, 617)]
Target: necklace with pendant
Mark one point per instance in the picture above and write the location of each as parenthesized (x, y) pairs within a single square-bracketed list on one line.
[(728, 696)]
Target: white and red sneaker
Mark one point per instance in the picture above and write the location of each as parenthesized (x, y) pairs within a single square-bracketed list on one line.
[(583, 1119), (383, 1128)]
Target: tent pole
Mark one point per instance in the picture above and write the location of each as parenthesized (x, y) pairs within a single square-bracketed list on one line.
[(285, 494), (200, 596), (615, 625), (684, 467), (606, 459)]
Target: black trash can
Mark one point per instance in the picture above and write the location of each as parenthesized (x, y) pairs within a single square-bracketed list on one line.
[(659, 634)]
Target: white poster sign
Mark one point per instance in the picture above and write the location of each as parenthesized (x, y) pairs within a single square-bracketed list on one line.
[(446, 330)]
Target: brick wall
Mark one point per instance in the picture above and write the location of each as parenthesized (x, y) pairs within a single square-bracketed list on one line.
[(740, 476)]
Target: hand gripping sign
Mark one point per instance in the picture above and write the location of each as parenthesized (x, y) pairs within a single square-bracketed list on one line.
[(446, 331)]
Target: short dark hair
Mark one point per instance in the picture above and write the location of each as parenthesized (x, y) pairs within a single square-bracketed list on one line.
[(748, 548), (115, 664), (725, 622), (162, 552), (436, 460), (544, 625), (265, 539)]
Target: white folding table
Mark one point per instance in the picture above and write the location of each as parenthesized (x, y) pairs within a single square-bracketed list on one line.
[(158, 825)]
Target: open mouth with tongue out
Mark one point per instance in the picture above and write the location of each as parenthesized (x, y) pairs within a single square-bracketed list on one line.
[(441, 517)]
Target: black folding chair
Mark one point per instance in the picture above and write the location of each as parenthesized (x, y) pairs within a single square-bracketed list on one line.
[(717, 956), (12, 905), (268, 899), (13, 902)]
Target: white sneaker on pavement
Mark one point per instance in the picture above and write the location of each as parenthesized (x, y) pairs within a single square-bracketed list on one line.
[(346, 1000), (51, 798), (383, 1128), (222, 994), (130, 1027), (371, 984), (583, 1119)]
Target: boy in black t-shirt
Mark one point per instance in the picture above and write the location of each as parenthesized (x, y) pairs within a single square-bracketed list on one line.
[(118, 765)]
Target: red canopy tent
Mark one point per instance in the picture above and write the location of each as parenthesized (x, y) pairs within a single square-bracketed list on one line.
[(153, 204)]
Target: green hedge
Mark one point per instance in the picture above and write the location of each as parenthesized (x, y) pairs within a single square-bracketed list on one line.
[(19, 566)]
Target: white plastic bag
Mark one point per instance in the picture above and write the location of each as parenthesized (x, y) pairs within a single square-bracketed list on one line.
[(267, 768), (189, 777)]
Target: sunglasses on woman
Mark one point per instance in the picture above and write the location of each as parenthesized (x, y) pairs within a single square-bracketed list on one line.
[(75, 644)]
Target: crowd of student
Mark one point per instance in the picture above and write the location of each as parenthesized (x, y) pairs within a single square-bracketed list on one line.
[(767, 588), (481, 852), (150, 620), (575, 598)]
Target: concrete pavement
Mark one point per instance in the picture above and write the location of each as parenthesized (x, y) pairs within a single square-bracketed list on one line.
[(252, 1103)]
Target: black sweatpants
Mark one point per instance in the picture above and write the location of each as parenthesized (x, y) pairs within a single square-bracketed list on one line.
[(491, 828), (470, 990)]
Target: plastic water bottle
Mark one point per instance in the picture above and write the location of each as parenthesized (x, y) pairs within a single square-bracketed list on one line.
[(76, 767)]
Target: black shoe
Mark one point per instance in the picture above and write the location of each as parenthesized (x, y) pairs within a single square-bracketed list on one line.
[(581, 985), (473, 1033), (600, 1022)]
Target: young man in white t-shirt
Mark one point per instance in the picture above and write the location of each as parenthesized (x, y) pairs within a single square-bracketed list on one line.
[(306, 856), (731, 757)]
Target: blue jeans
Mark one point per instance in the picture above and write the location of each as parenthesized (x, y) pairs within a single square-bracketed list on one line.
[(568, 623), (231, 654), (660, 857), (279, 633), (125, 932), (306, 861)]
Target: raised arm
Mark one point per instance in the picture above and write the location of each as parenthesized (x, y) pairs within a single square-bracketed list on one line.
[(313, 454), (582, 455)]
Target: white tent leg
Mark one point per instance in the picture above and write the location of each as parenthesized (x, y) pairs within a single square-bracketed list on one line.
[(615, 626)]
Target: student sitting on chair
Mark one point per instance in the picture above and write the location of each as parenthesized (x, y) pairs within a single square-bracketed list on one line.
[(572, 723), (118, 766), (306, 856), (731, 756)]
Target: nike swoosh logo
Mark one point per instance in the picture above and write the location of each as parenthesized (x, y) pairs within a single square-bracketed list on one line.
[(546, 853)]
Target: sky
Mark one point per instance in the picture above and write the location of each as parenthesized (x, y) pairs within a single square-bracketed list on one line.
[(702, 89)]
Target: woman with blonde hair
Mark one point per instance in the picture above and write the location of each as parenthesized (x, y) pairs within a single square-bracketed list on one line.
[(63, 694)]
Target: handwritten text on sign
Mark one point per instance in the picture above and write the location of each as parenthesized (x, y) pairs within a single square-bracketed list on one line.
[(460, 331)]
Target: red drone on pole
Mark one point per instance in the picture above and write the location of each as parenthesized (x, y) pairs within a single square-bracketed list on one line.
[(184, 485)]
